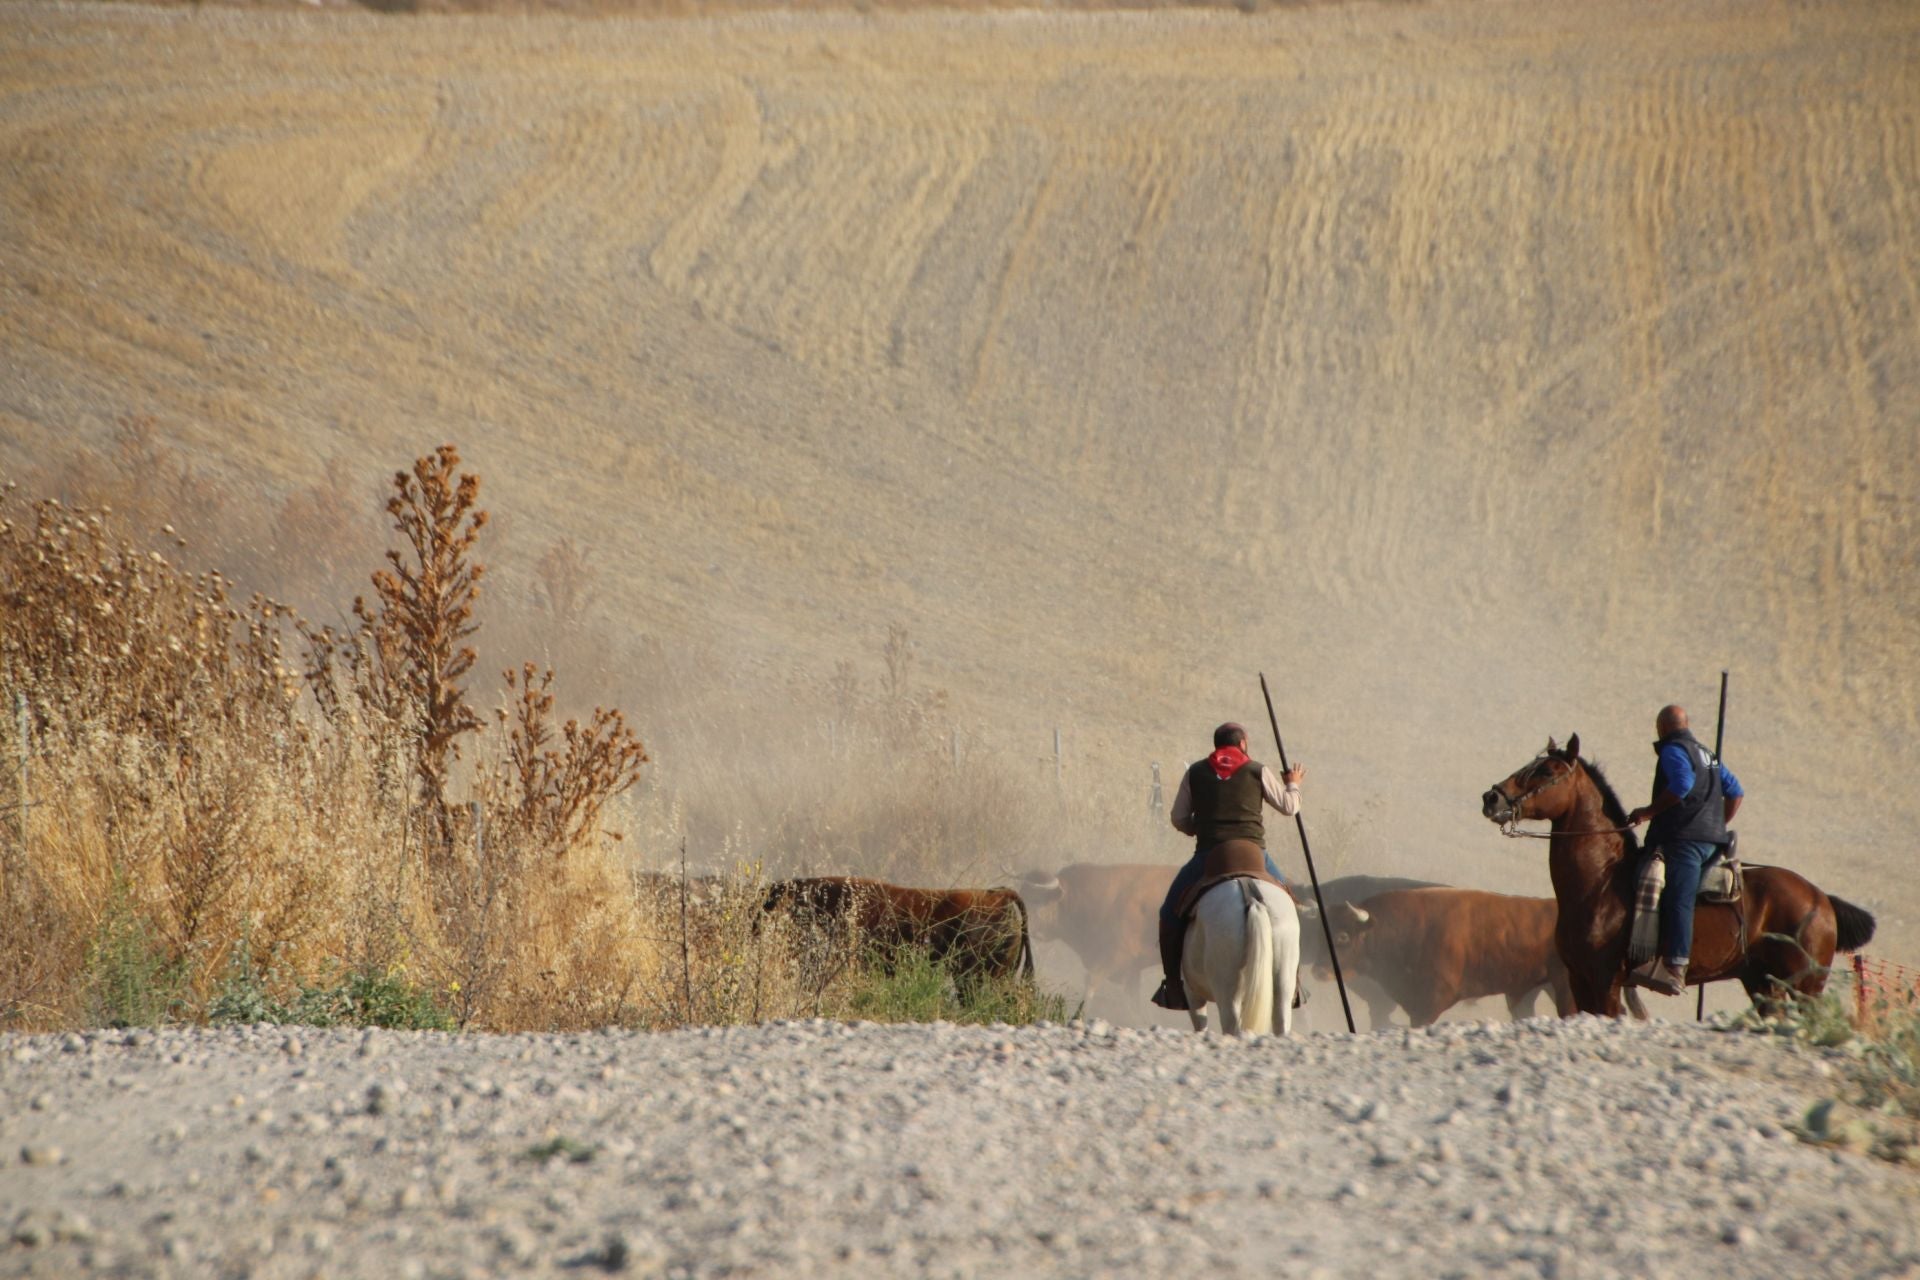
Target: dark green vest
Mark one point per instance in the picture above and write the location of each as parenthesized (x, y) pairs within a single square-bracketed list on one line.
[(1227, 810)]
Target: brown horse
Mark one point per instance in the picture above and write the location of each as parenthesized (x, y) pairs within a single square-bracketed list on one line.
[(1782, 935)]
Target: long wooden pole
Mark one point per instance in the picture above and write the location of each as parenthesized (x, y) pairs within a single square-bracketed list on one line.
[(1719, 737), (1299, 824)]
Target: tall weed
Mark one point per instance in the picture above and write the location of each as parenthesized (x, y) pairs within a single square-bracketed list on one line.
[(239, 815)]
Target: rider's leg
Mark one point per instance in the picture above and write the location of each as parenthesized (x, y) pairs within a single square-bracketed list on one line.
[(1173, 993), (1684, 859)]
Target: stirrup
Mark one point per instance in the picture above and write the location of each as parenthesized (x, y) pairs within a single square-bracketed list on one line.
[(1655, 975)]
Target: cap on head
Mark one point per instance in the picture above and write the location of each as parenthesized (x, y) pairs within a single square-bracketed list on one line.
[(1672, 719), (1229, 735)]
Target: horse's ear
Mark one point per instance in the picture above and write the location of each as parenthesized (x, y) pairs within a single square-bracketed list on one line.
[(1552, 745), (1573, 747)]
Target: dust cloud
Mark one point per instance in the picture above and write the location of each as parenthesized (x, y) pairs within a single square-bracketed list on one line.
[(1479, 373)]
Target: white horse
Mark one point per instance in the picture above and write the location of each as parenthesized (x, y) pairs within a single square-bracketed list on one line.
[(1242, 953)]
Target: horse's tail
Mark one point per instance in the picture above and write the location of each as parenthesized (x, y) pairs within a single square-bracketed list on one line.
[(1255, 993), (1853, 927)]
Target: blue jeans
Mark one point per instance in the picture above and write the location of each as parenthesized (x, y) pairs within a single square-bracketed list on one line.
[(1685, 859), (1189, 875)]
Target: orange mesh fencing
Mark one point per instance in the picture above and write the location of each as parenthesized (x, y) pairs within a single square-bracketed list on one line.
[(1883, 985)]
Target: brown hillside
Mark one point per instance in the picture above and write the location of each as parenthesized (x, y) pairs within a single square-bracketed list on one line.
[(1482, 371)]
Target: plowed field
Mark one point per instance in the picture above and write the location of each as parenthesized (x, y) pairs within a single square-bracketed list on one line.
[(1480, 370)]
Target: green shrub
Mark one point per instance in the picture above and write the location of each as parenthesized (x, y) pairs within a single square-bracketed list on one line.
[(1881, 1062), (918, 988), (131, 978), (361, 998)]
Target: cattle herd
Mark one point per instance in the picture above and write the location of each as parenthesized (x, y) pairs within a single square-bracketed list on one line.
[(1404, 945)]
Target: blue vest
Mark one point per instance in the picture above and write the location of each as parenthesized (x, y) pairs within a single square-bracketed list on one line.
[(1702, 814)]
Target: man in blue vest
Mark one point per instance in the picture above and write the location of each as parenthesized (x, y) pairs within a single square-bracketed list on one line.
[(1694, 798), (1218, 804)]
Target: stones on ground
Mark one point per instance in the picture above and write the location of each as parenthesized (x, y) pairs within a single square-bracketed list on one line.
[(1084, 1155), (516, 1242), (37, 1228), (41, 1153)]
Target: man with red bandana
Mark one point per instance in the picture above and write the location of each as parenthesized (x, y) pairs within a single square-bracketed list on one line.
[(1218, 804)]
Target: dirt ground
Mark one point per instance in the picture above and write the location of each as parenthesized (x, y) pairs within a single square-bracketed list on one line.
[(1481, 371), (1580, 1149)]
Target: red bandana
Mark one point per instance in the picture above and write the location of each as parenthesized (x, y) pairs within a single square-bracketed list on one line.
[(1226, 762)]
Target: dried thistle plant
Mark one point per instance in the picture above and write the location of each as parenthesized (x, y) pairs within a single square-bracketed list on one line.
[(558, 791)]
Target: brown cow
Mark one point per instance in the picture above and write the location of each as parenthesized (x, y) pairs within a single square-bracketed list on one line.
[(1107, 913), (974, 933), (1432, 948)]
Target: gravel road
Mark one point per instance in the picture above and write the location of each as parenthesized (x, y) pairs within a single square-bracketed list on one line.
[(1577, 1148)]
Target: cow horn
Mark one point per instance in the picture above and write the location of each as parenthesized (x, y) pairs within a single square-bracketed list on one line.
[(1360, 914), (1039, 880)]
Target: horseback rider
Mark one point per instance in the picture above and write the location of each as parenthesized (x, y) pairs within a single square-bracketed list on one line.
[(1694, 798), (1218, 804)]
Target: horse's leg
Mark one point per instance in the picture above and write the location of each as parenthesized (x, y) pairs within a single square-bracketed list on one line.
[(1193, 951), (1560, 986), (1229, 992), (1595, 997), (1286, 964), (1775, 970), (1762, 989), (1635, 1005)]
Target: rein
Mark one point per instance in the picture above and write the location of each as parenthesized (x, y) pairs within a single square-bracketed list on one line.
[(1512, 831), (1511, 827)]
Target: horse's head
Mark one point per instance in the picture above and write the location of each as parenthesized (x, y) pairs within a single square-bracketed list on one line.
[(1540, 788)]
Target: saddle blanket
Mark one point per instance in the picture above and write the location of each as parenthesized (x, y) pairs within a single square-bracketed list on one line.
[(1719, 882)]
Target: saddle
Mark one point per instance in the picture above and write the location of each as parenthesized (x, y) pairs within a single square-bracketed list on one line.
[(1229, 860), (1721, 882)]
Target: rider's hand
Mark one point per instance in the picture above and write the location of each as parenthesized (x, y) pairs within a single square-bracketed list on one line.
[(1292, 776), (1639, 816)]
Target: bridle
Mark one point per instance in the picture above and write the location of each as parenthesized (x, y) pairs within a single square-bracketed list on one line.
[(1511, 827)]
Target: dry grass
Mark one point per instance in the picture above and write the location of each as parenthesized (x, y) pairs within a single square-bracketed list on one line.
[(215, 829)]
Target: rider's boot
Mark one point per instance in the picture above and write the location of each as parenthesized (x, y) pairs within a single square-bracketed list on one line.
[(1172, 993), (1669, 978)]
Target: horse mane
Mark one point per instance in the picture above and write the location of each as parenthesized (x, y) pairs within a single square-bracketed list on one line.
[(1611, 806)]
